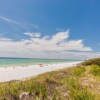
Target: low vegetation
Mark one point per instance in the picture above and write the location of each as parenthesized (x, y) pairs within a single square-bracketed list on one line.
[(75, 83), (95, 61), (95, 70)]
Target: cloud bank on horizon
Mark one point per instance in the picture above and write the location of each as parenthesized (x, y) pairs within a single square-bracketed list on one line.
[(56, 46)]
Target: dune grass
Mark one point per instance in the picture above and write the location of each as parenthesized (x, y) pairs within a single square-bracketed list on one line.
[(75, 83), (95, 70)]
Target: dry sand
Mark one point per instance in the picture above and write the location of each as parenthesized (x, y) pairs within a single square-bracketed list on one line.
[(20, 73)]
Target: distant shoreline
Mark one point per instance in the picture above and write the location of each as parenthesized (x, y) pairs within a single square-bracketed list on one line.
[(22, 72), (8, 62)]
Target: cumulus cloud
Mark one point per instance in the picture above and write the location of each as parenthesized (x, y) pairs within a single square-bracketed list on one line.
[(58, 42), (5, 39), (56, 46), (34, 35)]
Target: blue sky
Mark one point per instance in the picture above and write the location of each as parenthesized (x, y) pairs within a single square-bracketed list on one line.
[(77, 19)]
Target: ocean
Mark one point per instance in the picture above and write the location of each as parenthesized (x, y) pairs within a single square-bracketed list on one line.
[(8, 62)]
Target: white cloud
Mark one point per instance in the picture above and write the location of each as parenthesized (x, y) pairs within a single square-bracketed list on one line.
[(80, 55), (31, 34), (8, 20), (56, 46), (57, 42), (5, 39), (22, 25)]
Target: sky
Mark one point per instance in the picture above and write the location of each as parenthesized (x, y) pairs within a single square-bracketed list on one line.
[(55, 29)]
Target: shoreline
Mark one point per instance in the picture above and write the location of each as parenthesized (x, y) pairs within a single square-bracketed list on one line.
[(24, 72)]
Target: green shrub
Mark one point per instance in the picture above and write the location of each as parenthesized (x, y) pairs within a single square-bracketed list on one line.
[(76, 91), (95, 61), (29, 86), (95, 70), (14, 90), (79, 71), (71, 83), (3, 92), (40, 90), (43, 91), (56, 95), (82, 95)]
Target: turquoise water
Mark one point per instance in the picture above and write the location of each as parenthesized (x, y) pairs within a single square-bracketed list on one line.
[(6, 62)]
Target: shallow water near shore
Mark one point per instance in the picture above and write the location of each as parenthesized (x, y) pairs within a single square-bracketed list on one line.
[(8, 62)]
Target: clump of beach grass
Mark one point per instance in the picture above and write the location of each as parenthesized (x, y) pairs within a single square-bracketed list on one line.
[(95, 70)]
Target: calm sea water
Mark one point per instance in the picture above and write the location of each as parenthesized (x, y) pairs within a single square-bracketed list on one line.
[(6, 62)]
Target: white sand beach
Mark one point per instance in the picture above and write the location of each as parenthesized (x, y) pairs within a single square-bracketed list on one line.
[(20, 73)]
